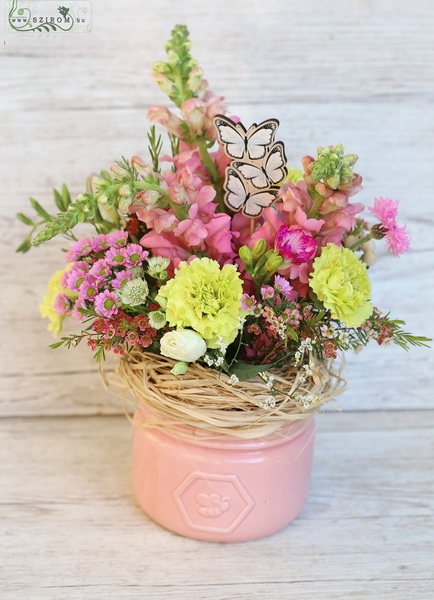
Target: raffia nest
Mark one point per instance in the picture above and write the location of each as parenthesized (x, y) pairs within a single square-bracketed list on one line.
[(203, 399)]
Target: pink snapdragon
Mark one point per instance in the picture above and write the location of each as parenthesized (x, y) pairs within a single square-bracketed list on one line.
[(386, 211), (163, 116), (199, 114)]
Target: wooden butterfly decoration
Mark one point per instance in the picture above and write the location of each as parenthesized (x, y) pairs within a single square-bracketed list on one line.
[(258, 164)]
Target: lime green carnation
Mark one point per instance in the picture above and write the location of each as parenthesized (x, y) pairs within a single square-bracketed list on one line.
[(205, 298), (341, 282), (46, 308)]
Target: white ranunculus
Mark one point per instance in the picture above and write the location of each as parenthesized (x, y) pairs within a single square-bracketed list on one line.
[(183, 344)]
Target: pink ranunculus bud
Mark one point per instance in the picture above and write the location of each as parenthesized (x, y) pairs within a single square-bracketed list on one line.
[(162, 115), (295, 246)]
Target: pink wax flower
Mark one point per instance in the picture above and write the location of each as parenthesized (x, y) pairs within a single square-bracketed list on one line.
[(295, 246), (386, 211)]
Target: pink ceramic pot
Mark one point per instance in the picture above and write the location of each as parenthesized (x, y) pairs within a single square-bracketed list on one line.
[(222, 489)]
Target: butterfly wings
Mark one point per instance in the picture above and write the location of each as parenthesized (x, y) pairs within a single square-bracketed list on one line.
[(258, 164), (273, 172), (237, 197), (238, 142)]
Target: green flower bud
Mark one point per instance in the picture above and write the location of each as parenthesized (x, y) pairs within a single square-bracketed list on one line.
[(332, 167), (378, 232), (180, 368), (245, 254), (259, 249), (274, 262), (160, 67)]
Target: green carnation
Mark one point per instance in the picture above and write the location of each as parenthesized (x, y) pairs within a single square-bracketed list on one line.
[(205, 298), (341, 282)]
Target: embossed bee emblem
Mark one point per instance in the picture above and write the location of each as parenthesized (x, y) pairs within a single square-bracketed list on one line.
[(212, 505)]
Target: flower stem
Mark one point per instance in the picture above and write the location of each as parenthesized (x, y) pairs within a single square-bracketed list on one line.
[(317, 201), (358, 243)]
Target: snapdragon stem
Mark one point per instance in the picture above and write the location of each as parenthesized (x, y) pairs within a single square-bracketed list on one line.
[(360, 242), (316, 204), (212, 169)]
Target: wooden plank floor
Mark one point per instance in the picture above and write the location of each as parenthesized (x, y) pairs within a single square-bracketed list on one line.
[(71, 528), (356, 72)]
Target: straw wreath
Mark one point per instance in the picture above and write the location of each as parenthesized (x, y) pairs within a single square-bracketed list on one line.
[(204, 399)]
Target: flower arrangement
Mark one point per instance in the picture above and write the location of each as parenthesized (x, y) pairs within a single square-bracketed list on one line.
[(218, 259)]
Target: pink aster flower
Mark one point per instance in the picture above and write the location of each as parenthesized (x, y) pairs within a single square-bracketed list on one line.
[(247, 302), (105, 304), (101, 242), (267, 292), (79, 303), (100, 268), (62, 304), (116, 256), (79, 249), (89, 288), (118, 238), (295, 246), (283, 286), (386, 211), (121, 278), (135, 255), (75, 279)]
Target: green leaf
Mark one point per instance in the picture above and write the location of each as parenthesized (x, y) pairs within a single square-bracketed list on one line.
[(245, 370), (25, 246), (24, 219), (41, 212), (56, 344)]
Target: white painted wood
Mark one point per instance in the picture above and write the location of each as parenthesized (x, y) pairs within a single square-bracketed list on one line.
[(356, 72), (70, 527)]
